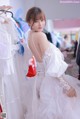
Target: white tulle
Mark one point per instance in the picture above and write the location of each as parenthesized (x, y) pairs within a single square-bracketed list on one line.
[(48, 99)]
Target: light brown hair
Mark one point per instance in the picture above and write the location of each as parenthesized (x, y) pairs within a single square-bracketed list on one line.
[(34, 14)]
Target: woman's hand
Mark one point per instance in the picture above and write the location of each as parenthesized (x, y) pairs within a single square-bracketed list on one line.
[(71, 92), (67, 89)]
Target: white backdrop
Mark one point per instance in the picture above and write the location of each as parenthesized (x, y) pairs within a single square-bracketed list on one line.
[(52, 8), (4, 2)]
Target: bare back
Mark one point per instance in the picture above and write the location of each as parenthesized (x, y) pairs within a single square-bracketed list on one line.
[(38, 44)]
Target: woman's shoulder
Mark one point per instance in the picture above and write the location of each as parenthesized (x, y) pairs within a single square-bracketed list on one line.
[(39, 35)]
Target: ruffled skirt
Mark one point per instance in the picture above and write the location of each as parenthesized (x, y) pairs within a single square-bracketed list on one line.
[(49, 101)]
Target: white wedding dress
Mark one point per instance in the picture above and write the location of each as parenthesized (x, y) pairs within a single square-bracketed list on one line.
[(49, 101)]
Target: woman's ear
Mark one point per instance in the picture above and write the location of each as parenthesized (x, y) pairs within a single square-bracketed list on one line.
[(29, 23)]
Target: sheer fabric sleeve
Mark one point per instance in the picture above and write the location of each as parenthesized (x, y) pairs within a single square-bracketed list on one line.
[(54, 63)]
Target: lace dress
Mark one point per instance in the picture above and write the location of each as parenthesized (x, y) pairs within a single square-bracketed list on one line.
[(10, 94), (49, 100)]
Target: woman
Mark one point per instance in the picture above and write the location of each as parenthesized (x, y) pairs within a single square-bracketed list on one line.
[(78, 58), (55, 94)]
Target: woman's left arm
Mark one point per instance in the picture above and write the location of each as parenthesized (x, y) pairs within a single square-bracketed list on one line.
[(67, 88)]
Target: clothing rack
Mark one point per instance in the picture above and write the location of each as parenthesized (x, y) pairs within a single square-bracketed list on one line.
[(7, 11)]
